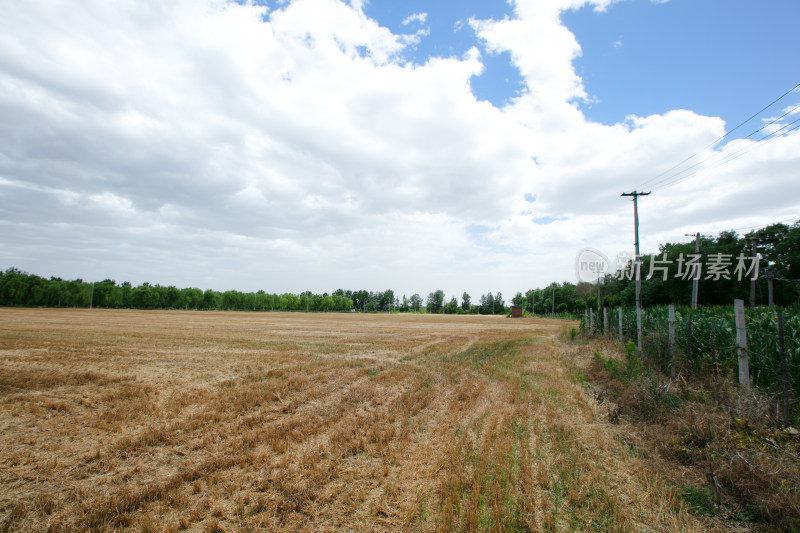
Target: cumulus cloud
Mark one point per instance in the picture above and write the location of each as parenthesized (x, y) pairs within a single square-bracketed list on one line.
[(416, 17), (232, 146)]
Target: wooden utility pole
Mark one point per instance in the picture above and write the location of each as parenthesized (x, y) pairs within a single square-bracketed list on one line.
[(696, 280), (637, 264), (752, 277)]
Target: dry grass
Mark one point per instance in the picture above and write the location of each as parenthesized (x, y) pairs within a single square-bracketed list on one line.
[(191, 421), (712, 439)]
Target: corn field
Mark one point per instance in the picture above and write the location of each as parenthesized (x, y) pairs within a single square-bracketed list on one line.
[(705, 341)]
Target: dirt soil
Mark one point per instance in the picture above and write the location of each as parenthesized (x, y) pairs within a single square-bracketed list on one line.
[(226, 421)]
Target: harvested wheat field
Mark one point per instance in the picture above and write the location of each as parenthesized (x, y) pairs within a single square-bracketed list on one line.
[(227, 421)]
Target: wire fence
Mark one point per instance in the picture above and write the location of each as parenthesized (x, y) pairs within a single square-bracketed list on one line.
[(704, 342)]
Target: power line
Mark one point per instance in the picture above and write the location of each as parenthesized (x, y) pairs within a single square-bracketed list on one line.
[(669, 182), (752, 227), (728, 147), (717, 141)]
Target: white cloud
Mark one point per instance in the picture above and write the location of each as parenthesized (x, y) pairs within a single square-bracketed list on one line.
[(221, 145), (416, 17)]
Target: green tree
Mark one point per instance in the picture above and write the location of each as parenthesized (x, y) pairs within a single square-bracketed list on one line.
[(435, 302), (529, 299), (500, 304), (210, 299), (487, 305)]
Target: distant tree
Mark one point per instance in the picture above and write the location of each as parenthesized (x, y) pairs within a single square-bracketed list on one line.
[(500, 304), (230, 300), (173, 298), (146, 296), (210, 299), (435, 302), (465, 301), (487, 305), (451, 307), (415, 302), (529, 298), (192, 298), (385, 300)]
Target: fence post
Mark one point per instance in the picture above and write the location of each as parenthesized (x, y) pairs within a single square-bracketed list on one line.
[(770, 277), (784, 372), (619, 312), (741, 341), (605, 321), (713, 347), (585, 320), (689, 345), (591, 321), (671, 318)]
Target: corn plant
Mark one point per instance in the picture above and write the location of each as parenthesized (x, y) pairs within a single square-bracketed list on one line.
[(713, 337)]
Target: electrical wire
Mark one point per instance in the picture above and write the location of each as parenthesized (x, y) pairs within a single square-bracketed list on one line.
[(671, 181), (717, 141), (730, 155), (751, 227)]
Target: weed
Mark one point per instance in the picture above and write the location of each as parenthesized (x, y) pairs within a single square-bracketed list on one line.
[(699, 500)]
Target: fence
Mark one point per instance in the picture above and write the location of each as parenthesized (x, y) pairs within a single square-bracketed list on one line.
[(764, 350)]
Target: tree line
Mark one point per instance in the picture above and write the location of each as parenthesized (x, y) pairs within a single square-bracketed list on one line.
[(18, 288), (723, 264), (664, 281)]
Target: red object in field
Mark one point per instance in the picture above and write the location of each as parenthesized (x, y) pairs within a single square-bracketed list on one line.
[(516, 310)]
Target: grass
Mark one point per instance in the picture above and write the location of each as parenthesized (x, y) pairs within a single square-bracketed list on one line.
[(714, 440), (173, 421)]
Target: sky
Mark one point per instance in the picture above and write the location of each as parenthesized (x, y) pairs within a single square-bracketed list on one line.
[(462, 145)]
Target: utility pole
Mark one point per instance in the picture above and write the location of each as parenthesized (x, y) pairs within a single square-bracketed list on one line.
[(696, 280), (553, 314), (752, 278), (638, 264)]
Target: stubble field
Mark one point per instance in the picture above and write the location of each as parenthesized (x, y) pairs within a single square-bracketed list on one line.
[(206, 421)]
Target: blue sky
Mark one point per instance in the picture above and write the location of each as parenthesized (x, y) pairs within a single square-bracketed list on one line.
[(292, 145), (723, 58), (451, 35)]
